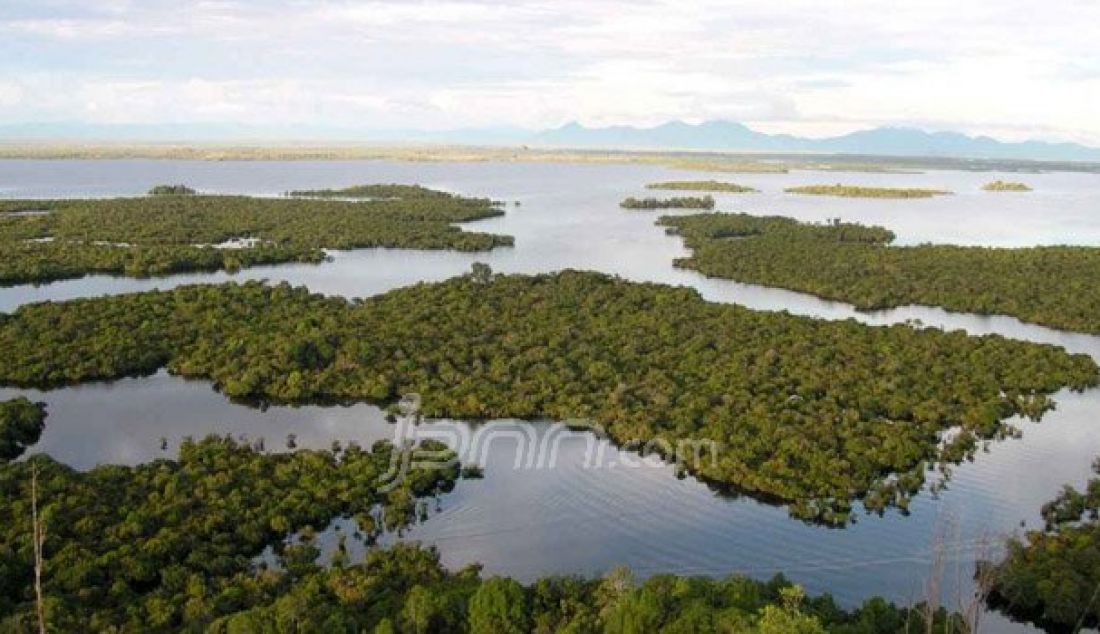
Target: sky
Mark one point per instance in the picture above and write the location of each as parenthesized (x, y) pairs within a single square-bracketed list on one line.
[(1012, 69)]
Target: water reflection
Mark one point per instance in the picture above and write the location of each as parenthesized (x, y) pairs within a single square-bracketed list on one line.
[(570, 519)]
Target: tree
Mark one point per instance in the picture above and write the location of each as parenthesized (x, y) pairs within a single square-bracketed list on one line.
[(418, 611), (788, 619), (499, 607), (481, 273)]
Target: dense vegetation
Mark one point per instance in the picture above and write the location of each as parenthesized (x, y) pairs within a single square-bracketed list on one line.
[(171, 190), (21, 423), (1054, 286), (165, 234), (1005, 186), (172, 545), (405, 590), (1053, 576), (702, 186), (678, 202), (381, 191), (152, 547), (50, 261), (803, 411), (853, 191), (25, 206)]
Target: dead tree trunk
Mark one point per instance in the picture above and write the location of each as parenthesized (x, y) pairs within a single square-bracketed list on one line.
[(39, 530)]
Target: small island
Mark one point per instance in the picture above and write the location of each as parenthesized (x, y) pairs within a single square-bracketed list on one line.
[(172, 190), (703, 186), (380, 191), (855, 191), (1006, 186), (683, 202)]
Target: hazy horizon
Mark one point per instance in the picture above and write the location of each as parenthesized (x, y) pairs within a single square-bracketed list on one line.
[(997, 69)]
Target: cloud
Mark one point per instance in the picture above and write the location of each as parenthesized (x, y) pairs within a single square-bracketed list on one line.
[(69, 29), (799, 65), (11, 94)]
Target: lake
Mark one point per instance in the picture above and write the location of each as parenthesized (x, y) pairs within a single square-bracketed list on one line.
[(577, 516)]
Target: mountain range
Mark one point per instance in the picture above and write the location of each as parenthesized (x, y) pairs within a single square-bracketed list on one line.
[(887, 141), (714, 136)]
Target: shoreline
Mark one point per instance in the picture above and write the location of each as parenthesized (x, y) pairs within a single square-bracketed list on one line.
[(704, 161)]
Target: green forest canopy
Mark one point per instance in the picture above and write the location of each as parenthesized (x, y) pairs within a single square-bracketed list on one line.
[(855, 191), (380, 191), (172, 541), (702, 186), (676, 202), (163, 234), (1052, 576), (1053, 286), (406, 590), (811, 413), (21, 423), (171, 545)]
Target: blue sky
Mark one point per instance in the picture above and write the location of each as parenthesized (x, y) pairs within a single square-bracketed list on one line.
[(1009, 68)]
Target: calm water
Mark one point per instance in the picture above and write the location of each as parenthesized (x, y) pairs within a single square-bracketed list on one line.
[(576, 516)]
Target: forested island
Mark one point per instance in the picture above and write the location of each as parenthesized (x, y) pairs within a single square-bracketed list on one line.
[(172, 545), (379, 191), (853, 191), (173, 541), (1053, 286), (810, 413), (1006, 186), (21, 423), (702, 186), (676, 202), (1052, 576), (162, 234)]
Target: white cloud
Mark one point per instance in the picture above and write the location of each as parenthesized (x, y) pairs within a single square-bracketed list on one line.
[(1010, 66), (68, 29), (11, 94)]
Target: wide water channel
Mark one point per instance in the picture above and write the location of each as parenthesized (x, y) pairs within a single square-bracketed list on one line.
[(592, 507)]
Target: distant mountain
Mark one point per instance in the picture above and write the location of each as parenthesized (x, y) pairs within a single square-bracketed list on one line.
[(715, 136), (711, 135), (732, 136)]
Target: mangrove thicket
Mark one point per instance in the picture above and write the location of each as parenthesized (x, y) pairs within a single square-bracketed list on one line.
[(161, 234), (676, 202), (172, 543), (1052, 576), (1051, 285), (702, 186), (812, 413), (855, 191)]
